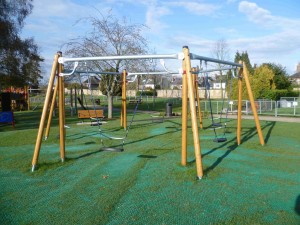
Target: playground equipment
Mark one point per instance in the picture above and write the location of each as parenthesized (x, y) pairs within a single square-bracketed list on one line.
[(14, 99), (222, 122), (188, 91)]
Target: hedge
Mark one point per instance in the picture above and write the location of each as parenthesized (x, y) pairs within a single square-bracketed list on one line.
[(277, 94), (147, 93)]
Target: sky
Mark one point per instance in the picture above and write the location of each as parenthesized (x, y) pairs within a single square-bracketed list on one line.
[(268, 30)]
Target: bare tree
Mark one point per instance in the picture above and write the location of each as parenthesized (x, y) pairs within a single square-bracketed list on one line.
[(220, 51), (110, 36)]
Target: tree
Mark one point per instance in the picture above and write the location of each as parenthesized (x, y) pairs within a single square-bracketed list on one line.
[(19, 59), (109, 84), (280, 76), (110, 36), (221, 52), (245, 58), (262, 81)]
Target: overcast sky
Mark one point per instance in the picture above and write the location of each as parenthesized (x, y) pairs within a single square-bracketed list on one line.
[(268, 30)]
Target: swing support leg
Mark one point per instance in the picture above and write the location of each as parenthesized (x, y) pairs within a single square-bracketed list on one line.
[(44, 113), (61, 102), (197, 99), (191, 95), (51, 110), (123, 106), (251, 98), (239, 116), (184, 116)]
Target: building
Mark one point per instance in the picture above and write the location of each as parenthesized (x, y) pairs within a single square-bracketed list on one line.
[(94, 82), (295, 78)]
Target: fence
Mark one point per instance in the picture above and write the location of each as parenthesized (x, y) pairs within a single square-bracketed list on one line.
[(283, 107), (214, 93), (263, 107)]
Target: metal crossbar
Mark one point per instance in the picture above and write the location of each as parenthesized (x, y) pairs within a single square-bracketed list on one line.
[(123, 57), (207, 59), (213, 70)]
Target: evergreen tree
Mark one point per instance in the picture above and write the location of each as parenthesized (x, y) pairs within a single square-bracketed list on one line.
[(280, 76), (245, 58), (262, 81), (19, 59)]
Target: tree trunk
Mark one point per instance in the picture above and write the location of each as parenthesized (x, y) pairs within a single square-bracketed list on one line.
[(109, 105)]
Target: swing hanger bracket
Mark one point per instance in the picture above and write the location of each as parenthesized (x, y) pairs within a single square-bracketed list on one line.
[(68, 74)]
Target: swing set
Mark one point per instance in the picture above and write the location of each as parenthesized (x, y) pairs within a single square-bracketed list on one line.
[(189, 81), (222, 122)]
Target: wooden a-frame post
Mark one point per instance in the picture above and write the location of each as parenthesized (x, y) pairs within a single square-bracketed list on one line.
[(44, 113), (243, 72), (197, 96), (57, 69), (123, 106), (61, 111), (239, 115), (184, 115), (187, 71), (52, 108)]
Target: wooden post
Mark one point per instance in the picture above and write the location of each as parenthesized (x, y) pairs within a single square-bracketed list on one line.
[(81, 93), (239, 116), (71, 101), (61, 112), (251, 98), (198, 98), (44, 113), (191, 95), (50, 115), (123, 106), (64, 98), (27, 97), (75, 99), (184, 116)]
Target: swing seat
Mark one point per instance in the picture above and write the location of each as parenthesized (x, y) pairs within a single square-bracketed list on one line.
[(220, 139), (112, 149), (216, 125)]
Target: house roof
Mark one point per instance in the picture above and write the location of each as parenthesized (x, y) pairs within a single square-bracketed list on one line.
[(296, 75), (94, 81)]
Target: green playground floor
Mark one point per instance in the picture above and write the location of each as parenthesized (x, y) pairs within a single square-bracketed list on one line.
[(146, 184)]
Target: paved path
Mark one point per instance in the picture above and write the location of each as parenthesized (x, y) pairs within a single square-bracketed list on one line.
[(269, 118), (262, 118)]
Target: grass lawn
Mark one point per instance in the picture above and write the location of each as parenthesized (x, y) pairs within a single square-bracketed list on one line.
[(145, 184)]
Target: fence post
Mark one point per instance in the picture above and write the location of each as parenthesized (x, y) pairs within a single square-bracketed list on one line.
[(259, 106), (276, 106), (271, 104)]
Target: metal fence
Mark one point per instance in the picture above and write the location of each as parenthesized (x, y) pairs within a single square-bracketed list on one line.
[(283, 107)]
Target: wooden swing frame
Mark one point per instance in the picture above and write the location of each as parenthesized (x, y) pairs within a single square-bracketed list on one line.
[(189, 90)]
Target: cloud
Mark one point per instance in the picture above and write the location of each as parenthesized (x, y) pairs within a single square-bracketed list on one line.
[(224, 31), (264, 17), (198, 8), (156, 10), (153, 17), (230, 1), (254, 13), (280, 44), (277, 44), (56, 8)]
